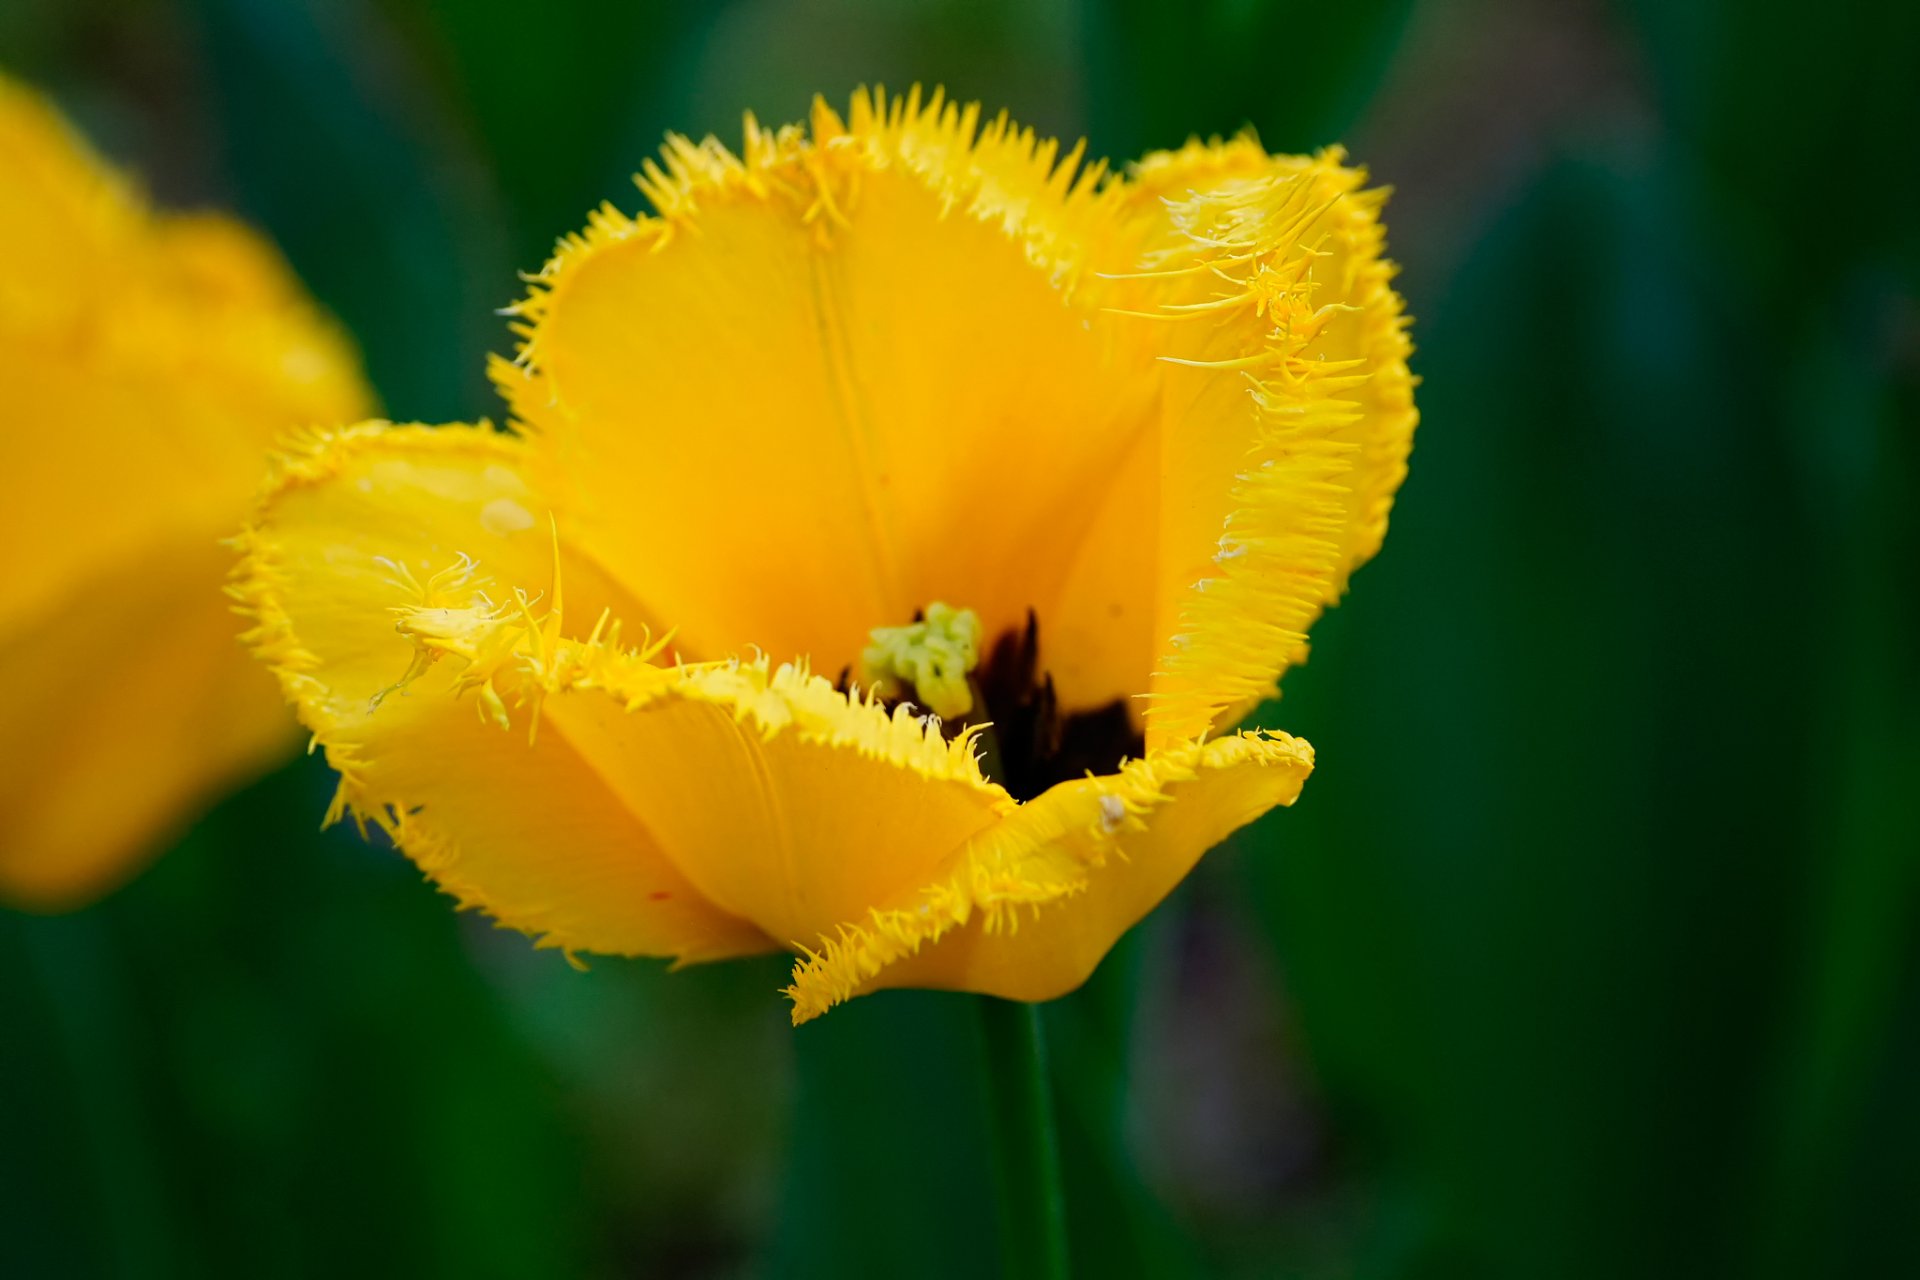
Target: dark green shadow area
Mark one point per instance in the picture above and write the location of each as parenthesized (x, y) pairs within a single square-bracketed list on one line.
[(271, 1052), (890, 1164)]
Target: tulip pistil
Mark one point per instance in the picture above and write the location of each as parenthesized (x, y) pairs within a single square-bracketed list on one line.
[(927, 661)]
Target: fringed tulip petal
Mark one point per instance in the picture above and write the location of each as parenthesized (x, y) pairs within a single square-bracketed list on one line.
[(785, 801), (1027, 908), (404, 582), (1285, 419)]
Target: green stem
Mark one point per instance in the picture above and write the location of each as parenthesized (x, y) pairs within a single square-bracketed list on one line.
[(1033, 1216)]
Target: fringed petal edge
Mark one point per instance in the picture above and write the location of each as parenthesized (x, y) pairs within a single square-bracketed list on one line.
[(996, 172), (1045, 853), (1310, 503)]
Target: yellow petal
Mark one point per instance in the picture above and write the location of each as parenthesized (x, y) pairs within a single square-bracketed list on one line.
[(374, 562), (852, 372), (129, 706), (58, 192), (1286, 413), (1028, 907), (147, 359), (783, 800)]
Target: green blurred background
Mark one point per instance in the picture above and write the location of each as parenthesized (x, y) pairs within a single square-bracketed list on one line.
[(1593, 949)]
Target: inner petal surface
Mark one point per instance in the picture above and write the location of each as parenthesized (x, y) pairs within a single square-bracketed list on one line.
[(824, 397)]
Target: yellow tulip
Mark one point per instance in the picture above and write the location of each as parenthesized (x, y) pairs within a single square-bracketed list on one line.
[(900, 399), (148, 361)]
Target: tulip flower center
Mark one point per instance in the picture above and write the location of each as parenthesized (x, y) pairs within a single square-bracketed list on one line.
[(1027, 744)]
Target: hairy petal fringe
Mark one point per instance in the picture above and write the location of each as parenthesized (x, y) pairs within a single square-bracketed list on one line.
[(1049, 852)]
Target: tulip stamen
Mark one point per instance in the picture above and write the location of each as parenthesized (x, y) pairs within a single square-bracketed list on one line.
[(1038, 743)]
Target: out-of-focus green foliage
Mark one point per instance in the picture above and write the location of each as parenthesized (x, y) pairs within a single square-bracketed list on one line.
[(1593, 948)]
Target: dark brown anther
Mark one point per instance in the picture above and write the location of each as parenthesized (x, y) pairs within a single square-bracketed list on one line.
[(1038, 746)]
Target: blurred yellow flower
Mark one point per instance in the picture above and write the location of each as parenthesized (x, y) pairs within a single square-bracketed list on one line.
[(898, 398), (148, 360)]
